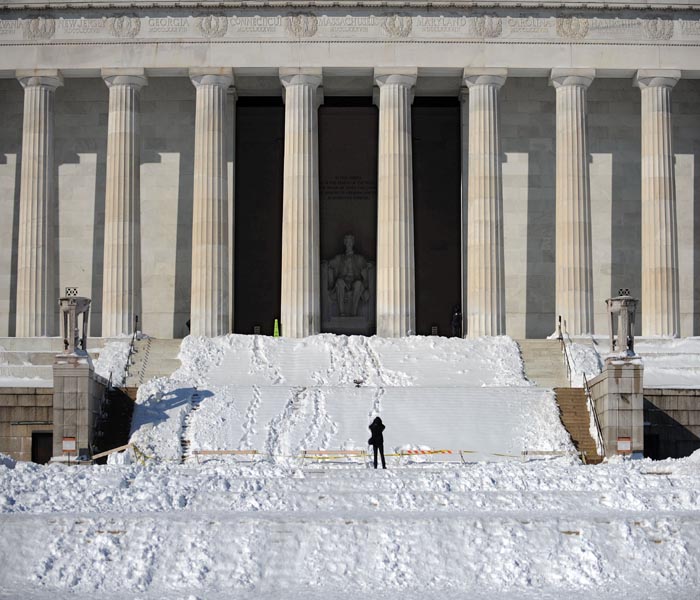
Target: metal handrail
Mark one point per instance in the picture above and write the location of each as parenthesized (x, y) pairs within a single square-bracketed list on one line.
[(567, 360), (594, 412), (132, 351)]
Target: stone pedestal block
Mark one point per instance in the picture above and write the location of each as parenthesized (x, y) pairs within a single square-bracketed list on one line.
[(618, 395), (77, 398), (396, 287), (36, 261), (660, 307), (121, 285)]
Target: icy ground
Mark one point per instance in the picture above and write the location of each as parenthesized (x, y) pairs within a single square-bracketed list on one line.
[(545, 529)]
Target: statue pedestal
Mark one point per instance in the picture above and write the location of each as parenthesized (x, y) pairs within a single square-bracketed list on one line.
[(348, 325)]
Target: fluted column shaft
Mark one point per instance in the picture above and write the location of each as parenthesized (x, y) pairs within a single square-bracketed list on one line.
[(660, 304), (396, 293), (485, 277), (36, 261), (300, 302), (121, 285), (574, 278), (210, 294)]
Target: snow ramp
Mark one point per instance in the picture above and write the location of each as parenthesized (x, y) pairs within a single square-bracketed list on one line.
[(282, 396)]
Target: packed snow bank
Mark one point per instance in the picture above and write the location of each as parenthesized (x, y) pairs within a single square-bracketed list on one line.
[(282, 396), (112, 361), (539, 529), (670, 363), (7, 461), (25, 382), (585, 361), (337, 360)]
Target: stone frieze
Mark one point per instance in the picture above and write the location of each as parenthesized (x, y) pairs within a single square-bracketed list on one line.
[(341, 24)]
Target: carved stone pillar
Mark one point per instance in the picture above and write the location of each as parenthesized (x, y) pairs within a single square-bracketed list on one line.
[(301, 302), (210, 236), (485, 293), (660, 305), (36, 262), (121, 286), (574, 277), (396, 292)]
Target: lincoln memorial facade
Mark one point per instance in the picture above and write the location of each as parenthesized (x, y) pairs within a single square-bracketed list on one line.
[(351, 167)]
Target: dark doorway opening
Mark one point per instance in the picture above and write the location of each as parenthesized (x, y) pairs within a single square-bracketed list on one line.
[(258, 214), (42, 446), (436, 212), (348, 146)]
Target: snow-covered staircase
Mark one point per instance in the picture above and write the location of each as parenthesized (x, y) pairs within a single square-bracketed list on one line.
[(282, 396), (152, 358), (543, 362), (575, 417), (185, 442)]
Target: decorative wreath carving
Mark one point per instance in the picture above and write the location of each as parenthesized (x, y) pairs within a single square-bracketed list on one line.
[(302, 25), (572, 27), (658, 29), (39, 29), (212, 26), (398, 25), (124, 26), (488, 27)]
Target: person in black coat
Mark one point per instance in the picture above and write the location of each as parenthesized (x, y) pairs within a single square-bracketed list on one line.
[(377, 440)]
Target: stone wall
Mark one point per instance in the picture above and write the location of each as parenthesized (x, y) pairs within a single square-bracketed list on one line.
[(528, 149), (22, 412), (671, 422)]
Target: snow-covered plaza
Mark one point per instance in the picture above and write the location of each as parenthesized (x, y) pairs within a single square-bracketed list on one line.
[(515, 514)]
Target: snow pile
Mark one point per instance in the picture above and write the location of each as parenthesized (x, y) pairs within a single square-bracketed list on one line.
[(7, 461), (112, 361), (671, 363), (585, 361), (24, 382), (282, 396), (338, 360), (547, 529)]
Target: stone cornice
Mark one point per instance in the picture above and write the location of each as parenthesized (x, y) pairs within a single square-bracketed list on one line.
[(648, 5)]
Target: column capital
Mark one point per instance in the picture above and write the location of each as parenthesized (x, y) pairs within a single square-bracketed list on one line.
[(496, 77), (564, 77), (397, 76), (646, 78), (222, 77), (50, 78), (133, 77), (297, 76)]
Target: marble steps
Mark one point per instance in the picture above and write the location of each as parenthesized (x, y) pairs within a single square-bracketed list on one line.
[(575, 418), (543, 362), (153, 358)]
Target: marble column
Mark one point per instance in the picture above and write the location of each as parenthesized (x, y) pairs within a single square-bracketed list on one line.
[(396, 288), (660, 307), (121, 285), (301, 303), (209, 304), (485, 293), (36, 262), (574, 277)]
